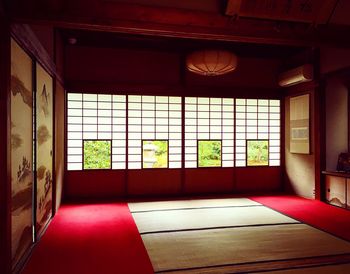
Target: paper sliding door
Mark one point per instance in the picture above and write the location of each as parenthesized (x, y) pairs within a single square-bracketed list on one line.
[(44, 147), (21, 151)]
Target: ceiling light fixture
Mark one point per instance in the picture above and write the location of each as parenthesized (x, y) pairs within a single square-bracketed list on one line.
[(211, 62)]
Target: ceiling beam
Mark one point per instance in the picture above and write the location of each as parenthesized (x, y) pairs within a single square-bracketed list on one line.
[(146, 20), (311, 11)]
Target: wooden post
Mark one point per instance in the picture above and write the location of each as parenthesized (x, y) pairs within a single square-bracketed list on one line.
[(5, 137)]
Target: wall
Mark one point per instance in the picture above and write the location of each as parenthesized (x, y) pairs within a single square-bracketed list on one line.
[(59, 143), (146, 71), (332, 59), (334, 62), (45, 36), (171, 182), (59, 122), (150, 67), (300, 168), (336, 121), (84, 64)]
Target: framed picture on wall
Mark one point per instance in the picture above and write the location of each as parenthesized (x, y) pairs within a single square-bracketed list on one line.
[(299, 123)]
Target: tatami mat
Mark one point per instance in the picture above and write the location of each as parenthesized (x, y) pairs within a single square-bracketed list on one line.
[(156, 221), (328, 269), (182, 204), (215, 247), (332, 268)]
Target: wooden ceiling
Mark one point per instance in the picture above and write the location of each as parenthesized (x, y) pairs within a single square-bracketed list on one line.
[(288, 23)]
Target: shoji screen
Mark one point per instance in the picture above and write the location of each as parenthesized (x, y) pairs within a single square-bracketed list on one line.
[(257, 119), (96, 117), (209, 119), (154, 118)]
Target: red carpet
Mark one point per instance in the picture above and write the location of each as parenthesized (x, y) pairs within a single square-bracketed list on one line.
[(315, 213), (103, 238), (89, 239)]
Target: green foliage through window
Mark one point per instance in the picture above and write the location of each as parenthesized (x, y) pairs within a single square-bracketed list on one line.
[(257, 153), (97, 154), (209, 153), (155, 154)]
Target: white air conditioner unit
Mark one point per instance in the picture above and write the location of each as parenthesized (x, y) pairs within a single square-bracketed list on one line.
[(297, 75)]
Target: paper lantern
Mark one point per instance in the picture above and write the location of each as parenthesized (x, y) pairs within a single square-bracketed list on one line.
[(211, 62)]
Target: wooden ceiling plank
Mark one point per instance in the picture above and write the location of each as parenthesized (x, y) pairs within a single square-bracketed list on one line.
[(136, 19)]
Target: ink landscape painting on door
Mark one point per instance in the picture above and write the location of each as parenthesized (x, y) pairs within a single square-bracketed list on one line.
[(21, 151), (44, 86)]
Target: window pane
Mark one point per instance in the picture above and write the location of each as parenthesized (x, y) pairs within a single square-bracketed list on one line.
[(227, 101), (162, 99), (75, 112), (217, 136), (90, 97), (97, 154), (119, 98), (155, 154), (74, 120), (133, 98), (257, 152), (209, 153), (75, 96), (175, 100)]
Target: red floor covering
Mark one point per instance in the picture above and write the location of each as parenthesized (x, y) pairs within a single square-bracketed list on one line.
[(315, 213), (89, 239), (103, 238)]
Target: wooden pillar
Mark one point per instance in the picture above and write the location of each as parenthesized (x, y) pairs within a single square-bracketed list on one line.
[(320, 128), (5, 140)]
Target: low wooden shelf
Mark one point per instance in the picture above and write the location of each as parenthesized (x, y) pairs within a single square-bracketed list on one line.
[(337, 188)]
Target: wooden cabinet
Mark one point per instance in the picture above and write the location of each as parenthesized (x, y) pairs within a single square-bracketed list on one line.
[(337, 189)]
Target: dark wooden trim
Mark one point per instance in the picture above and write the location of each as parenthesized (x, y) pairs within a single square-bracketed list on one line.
[(35, 154), (183, 170), (336, 173), (322, 139), (348, 119), (65, 136), (28, 40), (54, 183), (5, 150), (182, 73), (320, 127), (126, 179), (283, 145), (175, 90)]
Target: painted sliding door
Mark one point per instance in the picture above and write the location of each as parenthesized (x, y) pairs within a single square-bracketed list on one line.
[(44, 118), (21, 151)]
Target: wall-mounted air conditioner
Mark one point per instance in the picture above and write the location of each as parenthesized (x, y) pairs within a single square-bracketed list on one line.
[(297, 75)]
